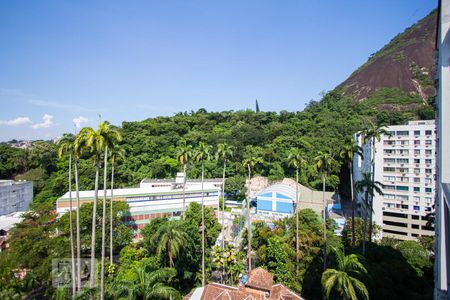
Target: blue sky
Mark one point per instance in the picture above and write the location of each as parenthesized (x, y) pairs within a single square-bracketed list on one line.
[(130, 60)]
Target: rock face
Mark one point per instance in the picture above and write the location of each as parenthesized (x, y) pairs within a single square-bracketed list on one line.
[(407, 63)]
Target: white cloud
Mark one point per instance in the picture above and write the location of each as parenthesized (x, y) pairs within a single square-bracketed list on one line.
[(16, 122), (79, 121), (47, 122)]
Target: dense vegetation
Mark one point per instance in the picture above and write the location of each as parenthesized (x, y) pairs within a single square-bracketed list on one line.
[(151, 145)]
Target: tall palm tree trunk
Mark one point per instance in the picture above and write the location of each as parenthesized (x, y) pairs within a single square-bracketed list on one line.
[(72, 255), (94, 215), (297, 246), (352, 187), (365, 223), (324, 225), (249, 225), (184, 188), (372, 193), (203, 230), (102, 269), (78, 227), (223, 214), (111, 217), (223, 204)]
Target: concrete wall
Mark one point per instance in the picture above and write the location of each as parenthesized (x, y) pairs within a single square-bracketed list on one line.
[(15, 196)]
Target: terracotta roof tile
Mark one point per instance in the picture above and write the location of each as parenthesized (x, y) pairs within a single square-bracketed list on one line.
[(260, 279)]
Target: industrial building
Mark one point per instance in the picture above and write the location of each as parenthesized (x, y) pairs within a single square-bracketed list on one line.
[(405, 163), (153, 198)]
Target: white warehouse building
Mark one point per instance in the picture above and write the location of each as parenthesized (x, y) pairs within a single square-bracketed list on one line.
[(405, 163)]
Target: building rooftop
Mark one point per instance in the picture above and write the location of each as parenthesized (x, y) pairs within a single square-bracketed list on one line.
[(8, 221), (146, 189), (260, 279), (259, 286)]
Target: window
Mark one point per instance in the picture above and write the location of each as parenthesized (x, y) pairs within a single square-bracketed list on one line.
[(389, 151), (416, 198), (428, 132), (416, 207), (404, 206), (428, 161), (389, 196), (428, 171), (403, 132), (415, 217), (403, 170), (388, 169), (417, 160), (416, 151), (402, 188), (427, 190), (403, 179), (416, 142), (398, 224), (404, 143), (428, 142), (428, 180), (389, 178), (416, 132), (428, 152), (389, 160), (428, 199), (402, 160), (416, 180), (403, 152), (402, 197), (394, 232), (415, 226), (416, 170), (389, 187), (416, 189), (397, 215), (389, 142), (391, 133)]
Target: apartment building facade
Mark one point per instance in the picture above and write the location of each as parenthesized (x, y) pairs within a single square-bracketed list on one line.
[(405, 163)]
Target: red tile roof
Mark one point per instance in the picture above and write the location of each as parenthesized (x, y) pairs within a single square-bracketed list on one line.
[(260, 279), (259, 283)]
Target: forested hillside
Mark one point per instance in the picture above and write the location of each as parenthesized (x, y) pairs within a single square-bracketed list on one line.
[(150, 145)]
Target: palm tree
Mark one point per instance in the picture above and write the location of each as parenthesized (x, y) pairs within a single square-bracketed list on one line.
[(341, 282), (98, 142), (170, 240), (297, 160), (249, 163), (183, 156), (323, 163), (77, 152), (368, 186), (65, 146), (347, 154), (148, 285), (224, 152), (372, 133), (115, 152), (202, 153)]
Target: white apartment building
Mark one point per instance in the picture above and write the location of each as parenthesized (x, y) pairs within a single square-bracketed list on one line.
[(405, 163), (15, 196)]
